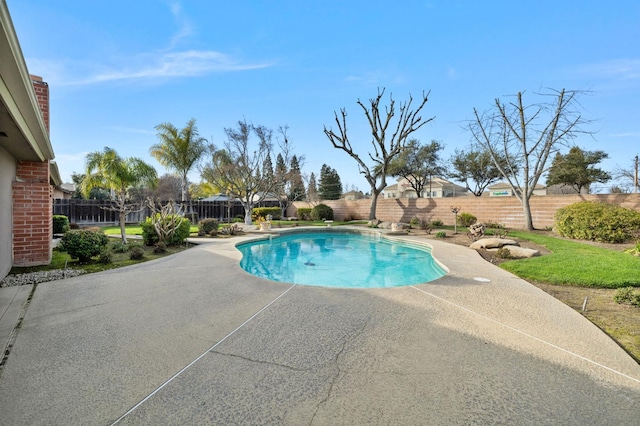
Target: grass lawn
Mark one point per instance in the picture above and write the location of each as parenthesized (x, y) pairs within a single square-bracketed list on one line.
[(575, 264)]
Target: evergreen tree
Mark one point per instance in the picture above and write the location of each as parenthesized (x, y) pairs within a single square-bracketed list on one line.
[(297, 191), (330, 184), (577, 169), (312, 189)]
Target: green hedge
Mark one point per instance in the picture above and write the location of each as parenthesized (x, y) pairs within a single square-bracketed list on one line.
[(60, 224), (275, 212), (304, 213), (588, 220)]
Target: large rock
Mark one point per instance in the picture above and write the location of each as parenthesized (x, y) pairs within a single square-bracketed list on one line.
[(517, 252), (487, 243)]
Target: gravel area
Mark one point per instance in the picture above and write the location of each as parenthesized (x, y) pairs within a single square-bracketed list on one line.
[(39, 277)]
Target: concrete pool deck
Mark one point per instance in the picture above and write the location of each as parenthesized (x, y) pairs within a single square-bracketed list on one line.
[(193, 339)]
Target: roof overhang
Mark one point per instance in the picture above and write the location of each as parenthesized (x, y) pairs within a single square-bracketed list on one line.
[(22, 130)]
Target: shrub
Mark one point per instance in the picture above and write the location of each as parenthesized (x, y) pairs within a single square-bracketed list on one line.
[(466, 219), (181, 232), (136, 252), (634, 251), (588, 220), (105, 257), (74, 226), (322, 212), (441, 234), (627, 295), (503, 253), (304, 213), (437, 223), (160, 248), (119, 247), (420, 223), (60, 224), (83, 244), (205, 226), (275, 212)]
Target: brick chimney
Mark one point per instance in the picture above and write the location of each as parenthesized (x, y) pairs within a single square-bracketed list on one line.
[(42, 94)]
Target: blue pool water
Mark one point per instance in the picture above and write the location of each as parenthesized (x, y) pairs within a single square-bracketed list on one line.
[(339, 259)]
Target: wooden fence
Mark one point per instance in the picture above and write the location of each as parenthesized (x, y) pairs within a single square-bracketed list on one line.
[(101, 212)]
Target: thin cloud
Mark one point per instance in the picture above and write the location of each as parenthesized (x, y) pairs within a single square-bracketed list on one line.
[(186, 28), (191, 63), (616, 69), (626, 135)]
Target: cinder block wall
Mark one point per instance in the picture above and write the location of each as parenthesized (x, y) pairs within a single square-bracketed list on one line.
[(503, 210), (32, 207)]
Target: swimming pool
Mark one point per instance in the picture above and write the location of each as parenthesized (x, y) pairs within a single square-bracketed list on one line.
[(339, 259)]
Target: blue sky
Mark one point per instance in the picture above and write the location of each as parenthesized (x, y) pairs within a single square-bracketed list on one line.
[(116, 69)]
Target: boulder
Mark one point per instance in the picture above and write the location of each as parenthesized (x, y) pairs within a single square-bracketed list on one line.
[(487, 243), (517, 252)]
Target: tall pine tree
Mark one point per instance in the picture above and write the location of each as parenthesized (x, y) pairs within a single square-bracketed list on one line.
[(330, 184)]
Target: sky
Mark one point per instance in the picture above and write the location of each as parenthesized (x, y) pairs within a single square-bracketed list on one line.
[(117, 69)]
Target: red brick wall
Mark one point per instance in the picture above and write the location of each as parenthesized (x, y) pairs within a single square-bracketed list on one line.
[(504, 210), (42, 94), (32, 207)]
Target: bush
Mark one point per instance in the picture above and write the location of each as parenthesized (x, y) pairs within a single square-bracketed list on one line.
[(304, 213), (60, 224), (503, 253), (437, 223), (83, 244), (119, 247), (634, 251), (275, 212), (105, 257), (150, 237), (588, 220), (74, 226), (206, 226), (136, 253), (322, 212), (627, 295), (441, 234), (420, 223), (466, 219), (160, 248)]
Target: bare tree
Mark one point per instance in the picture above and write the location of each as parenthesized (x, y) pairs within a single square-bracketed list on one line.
[(521, 138), (237, 168), (385, 147)]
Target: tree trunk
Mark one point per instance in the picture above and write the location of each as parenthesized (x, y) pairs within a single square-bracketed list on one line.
[(526, 209), (374, 203), (122, 216), (247, 214)]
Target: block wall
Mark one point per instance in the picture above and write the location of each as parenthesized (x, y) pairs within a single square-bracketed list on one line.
[(32, 207), (504, 210)]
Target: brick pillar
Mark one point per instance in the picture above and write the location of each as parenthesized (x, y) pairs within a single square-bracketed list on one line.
[(32, 207)]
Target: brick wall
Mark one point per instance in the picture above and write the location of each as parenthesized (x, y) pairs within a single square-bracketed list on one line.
[(504, 210), (32, 207)]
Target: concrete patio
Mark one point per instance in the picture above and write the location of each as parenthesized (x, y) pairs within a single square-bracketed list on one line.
[(193, 339)]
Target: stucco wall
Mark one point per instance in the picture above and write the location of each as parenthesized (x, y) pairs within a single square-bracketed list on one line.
[(7, 175), (504, 210)]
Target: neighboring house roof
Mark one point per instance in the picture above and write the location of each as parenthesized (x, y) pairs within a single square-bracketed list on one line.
[(505, 185), (22, 130)]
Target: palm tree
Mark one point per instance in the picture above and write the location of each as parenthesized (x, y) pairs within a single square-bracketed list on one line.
[(179, 150), (108, 170)]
